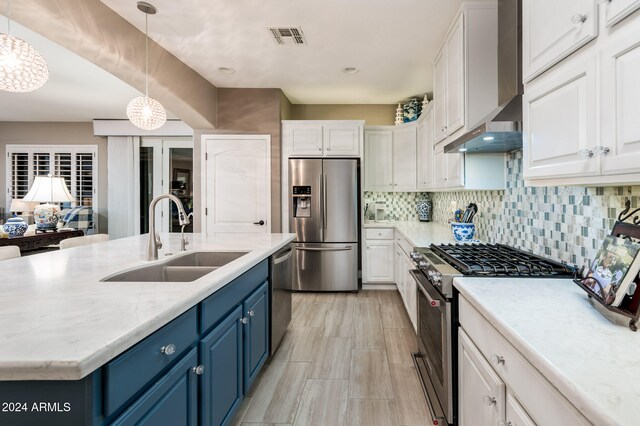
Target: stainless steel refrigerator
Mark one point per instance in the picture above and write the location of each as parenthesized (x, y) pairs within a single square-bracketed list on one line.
[(323, 196)]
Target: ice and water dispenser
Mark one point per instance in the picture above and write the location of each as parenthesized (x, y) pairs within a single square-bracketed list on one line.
[(301, 201)]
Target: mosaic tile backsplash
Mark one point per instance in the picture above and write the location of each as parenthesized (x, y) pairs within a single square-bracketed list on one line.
[(565, 223), (399, 205)]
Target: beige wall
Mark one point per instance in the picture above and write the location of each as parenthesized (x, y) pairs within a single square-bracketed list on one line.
[(56, 134), (248, 111), (375, 114)]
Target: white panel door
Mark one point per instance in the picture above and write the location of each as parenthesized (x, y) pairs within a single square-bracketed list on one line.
[(305, 139), (378, 152), (341, 140), (398, 269), (617, 10), (440, 96), (552, 30), (455, 170), (620, 93), (411, 297), (237, 183), (404, 159), (425, 152), (439, 168), (516, 414), (481, 393), (560, 123), (455, 78), (380, 261)]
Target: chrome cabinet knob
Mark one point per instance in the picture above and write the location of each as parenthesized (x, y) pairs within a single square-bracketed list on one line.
[(319, 149), (585, 153), (578, 19), (601, 150), (198, 370), (328, 149), (251, 314), (497, 359), (244, 320), (489, 400), (169, 349)]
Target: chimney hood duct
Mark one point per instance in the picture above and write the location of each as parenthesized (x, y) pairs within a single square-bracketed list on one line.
[(501, 130)]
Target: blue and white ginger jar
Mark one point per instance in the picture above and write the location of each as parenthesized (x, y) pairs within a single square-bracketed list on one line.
[(424, 210), (15, 227)]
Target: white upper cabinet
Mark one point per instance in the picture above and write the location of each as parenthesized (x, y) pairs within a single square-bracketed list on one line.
[(455, 77), (313, 138), (617, 10), (559, 116), (425, 152), (455, 170), (439, 96), (620, 93), (552, 30), (378, 154), (404, 159)]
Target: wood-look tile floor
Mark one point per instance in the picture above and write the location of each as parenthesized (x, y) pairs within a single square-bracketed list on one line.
[(346, 360)]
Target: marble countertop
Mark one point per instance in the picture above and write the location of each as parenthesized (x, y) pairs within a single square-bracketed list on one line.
[(420, 234), (592, 361), (58, 321)]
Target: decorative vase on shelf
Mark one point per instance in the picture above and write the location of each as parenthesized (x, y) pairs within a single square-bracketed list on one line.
[(399, 115), (424, 210), (15, 227)]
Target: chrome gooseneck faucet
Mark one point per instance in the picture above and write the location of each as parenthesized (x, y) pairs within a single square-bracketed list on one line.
[(154, 238)]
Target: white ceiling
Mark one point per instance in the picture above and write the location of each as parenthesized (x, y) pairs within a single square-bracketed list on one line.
[(77, 90), (392, 42)]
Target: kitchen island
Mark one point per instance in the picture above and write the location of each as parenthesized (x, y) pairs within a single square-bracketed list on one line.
[(560, 359), (60, 323)]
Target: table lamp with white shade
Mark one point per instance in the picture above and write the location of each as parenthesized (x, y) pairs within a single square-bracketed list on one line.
[(48, 189)]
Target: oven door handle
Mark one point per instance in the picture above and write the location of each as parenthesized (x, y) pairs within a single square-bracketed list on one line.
[(432, 302), (432, 412)]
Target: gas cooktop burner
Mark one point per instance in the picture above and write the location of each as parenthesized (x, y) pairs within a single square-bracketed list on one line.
[(499, 260)]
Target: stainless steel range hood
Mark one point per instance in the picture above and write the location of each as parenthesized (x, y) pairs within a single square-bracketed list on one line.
[(501, 131)]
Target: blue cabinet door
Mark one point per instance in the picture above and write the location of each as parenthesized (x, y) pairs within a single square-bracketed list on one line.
[(221, 353), (256, 333), (171, 401)]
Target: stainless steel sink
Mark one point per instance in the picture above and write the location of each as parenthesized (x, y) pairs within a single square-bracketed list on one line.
[(184, 268)]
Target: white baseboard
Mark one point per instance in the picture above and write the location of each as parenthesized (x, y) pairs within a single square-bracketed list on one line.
[(379, 286)]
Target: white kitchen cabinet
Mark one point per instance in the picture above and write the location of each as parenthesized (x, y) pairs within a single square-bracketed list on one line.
[(378, 160), (617, 10), (439, 95), (448, 169), (399, 271), (425, 151), (559, 117), (620, 92), (380, 260), (481, 393), (455, 77), (516, 415), (410, 289), (439, 169), (320, 138), (404, 159), (552, 30)]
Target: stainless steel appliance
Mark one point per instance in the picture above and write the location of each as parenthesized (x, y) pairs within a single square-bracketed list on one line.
[(437, 266), (323, 196), (281, 272)]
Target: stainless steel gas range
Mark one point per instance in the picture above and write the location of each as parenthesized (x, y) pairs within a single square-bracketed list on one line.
[(437, 266)]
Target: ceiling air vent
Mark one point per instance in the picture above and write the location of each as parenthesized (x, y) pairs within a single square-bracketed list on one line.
[(288, 36)]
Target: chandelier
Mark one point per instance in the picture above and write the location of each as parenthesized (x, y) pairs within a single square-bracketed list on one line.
[(144, 112), (22, 68)]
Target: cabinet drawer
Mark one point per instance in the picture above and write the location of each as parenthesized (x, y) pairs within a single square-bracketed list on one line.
[(172, 400), (405, 245), (541, 399), (131, 371), (378, 233), (215, 307)]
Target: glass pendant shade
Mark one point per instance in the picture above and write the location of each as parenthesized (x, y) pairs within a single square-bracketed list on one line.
[(146, 113), (22, 68)]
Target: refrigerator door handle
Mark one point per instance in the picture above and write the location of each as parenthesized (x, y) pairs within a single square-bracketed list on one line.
[(345, 248), (324, 200), (323, 208)]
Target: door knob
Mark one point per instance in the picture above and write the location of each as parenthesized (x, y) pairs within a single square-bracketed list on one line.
[(259, 223)]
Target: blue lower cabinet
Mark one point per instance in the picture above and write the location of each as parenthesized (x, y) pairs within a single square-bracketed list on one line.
[(221, 354), (171, 401), (256, 333)]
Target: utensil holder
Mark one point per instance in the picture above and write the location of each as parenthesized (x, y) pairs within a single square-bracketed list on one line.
[(463, 232)]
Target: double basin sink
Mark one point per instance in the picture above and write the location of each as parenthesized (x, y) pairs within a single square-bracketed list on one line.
[(184, 268)]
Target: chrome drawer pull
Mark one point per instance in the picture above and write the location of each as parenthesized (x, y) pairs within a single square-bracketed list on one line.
[(168, 350)]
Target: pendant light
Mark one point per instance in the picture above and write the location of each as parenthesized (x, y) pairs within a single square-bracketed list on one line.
[(22, 68), (144, 112)]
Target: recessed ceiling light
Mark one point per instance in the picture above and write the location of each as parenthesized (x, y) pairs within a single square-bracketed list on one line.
[(488, 138), (227, 70), (462, 149), (350, 70)]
